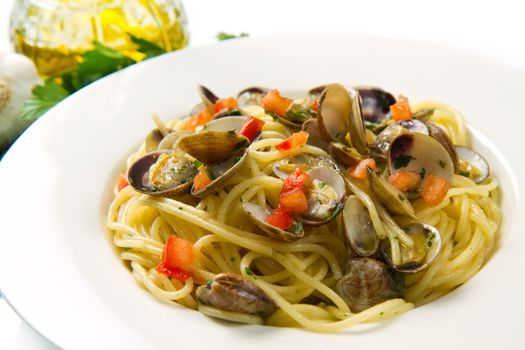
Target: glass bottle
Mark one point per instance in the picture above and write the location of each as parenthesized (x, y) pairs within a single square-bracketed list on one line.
[(54, 33)]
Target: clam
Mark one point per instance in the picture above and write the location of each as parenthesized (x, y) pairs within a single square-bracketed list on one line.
[(335, 107), (208, 98), (376, 104), (421, 154), (395, 200), (472, 164), (427, 245), (251, 96), (340, 114), (284, 167), (442, 137), (325, 192), (232, 292), (222, 152), (258, 215), (163, 173), (383, 140), (357, 126), (311, 126), (314, 94), (358, 227), (344, 155), (153, 139), (368, 282)]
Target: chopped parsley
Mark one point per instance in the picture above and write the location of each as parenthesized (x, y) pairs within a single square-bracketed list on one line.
[(180, 208), (422, 173), (236, 159), (322, 184), (464, 173), (298, 113), (402, 161), (208, 284), (197, 163), (442, 164), (232, 259), (455, 243), (429, 240), (297, 227), (401, 198), (250, 273)]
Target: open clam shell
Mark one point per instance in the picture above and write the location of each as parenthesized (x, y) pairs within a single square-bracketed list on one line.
[(325, 193), (226, 124), (472, 164), (427, 245), (222, 152), (335, 107), (171, 140), (442, 137), (161, 173), (358, 227), (376, 103), (258, 215), (208, 98), (344, 155), (384, 139), (315, 137), (421, 154), (251, 96), (395, 200)]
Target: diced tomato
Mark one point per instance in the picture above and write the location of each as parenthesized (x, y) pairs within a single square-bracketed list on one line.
[(122, 182), (435, 190), (177, 258), (401, 109), (199, 119), (202, 179), (223, 103), (251, 128), (294, 201), (405, 180), (315, 106), (280, 218), (359, 170), (295, 140), (275, 103), (295, 180)]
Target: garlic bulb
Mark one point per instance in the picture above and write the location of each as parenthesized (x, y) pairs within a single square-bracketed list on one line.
[(18, 75)]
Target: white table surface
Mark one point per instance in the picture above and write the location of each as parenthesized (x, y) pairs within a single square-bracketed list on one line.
[(491, 28)]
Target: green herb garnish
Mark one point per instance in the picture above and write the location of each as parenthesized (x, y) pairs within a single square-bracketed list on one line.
[(422, 173), (429, 240), (227, 36), (464, 173), (232, 259), (297, 227), (43, 98), (208, 284), (455, 243), (402, 161), (197, 163), (180, 208), (322, 184), (250, 273), (442, 164), (298, 113)]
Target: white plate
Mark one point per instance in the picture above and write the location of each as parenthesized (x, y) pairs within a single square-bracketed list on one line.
[(57, 267)]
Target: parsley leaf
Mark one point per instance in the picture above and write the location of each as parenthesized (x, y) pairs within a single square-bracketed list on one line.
[(464, 173), (402, 161), (227, 36), (297, 227), (147, 47), (250, 273), (197, 163), (442, 164), (298, 113), (44, 97), (422, 173)]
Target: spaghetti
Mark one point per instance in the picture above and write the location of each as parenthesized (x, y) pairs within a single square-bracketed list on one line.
[(301, 277)]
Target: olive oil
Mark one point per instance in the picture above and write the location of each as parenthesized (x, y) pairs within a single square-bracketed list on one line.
[(54, 33)]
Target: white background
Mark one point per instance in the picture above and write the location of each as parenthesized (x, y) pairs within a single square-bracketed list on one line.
[(491, 28)]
